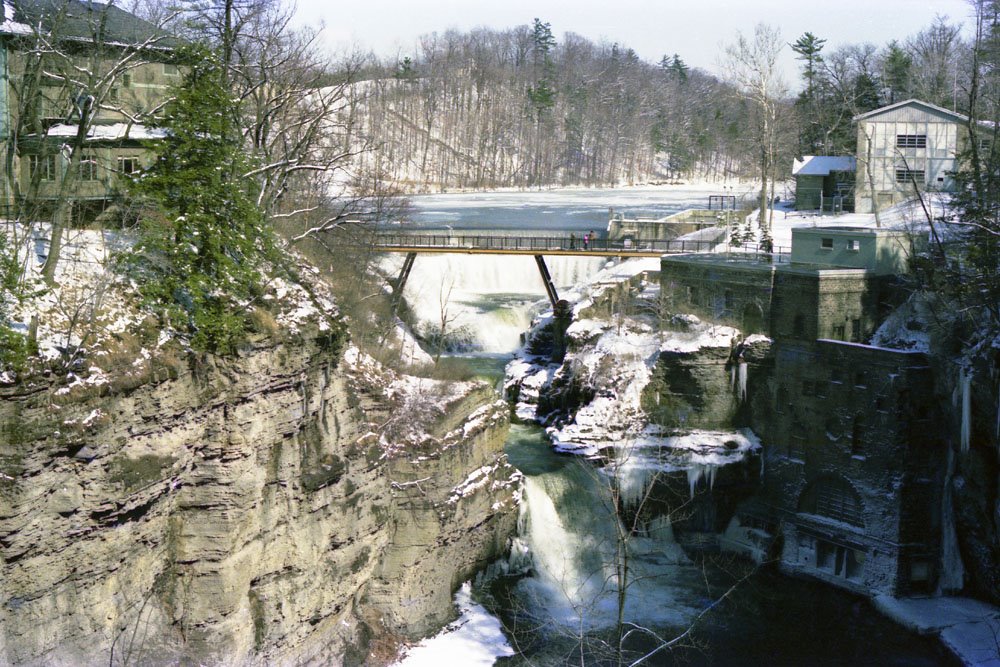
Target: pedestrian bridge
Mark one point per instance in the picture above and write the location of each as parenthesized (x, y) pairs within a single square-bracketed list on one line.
[(412, 244), (567, 244)]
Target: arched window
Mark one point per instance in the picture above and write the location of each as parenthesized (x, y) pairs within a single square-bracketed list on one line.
[(833, 498)]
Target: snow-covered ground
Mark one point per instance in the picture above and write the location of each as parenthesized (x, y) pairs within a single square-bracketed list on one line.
[(907, 215), (92, 313), (474, 640)]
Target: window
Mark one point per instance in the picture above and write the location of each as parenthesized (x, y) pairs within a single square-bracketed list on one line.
[(834, 498), (853, 244), (911, 141), (799, 326), (838, 332), (87, 169), (43, 167), (857, 432), (904, 175), (128, 165), (826, 244), (856, 330), (171, 70)]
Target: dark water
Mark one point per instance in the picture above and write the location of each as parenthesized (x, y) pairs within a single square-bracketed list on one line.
[(560, 210), (769, 619)]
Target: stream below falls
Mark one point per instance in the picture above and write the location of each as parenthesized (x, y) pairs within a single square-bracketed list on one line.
[(556, 594)]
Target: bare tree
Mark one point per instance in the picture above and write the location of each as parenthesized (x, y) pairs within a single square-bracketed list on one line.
[(753, 68)]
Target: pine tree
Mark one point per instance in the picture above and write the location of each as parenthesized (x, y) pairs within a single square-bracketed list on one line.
[(897, 72), (808, 48), (204, 238)]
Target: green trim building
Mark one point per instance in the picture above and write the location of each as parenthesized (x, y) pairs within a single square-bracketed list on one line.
[(824, 183)]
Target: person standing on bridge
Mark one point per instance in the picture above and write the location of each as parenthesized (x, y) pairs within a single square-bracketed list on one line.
[(586, 241), (593, 236), (572, 241)]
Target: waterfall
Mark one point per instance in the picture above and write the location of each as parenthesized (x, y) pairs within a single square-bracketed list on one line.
[(572, 535), (952, 570), (490, 300), (965, 382)]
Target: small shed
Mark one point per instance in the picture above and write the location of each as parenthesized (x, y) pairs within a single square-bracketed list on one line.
[(820, 179)]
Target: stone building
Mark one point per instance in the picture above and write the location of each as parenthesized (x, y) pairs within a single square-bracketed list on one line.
[(72, 121), (853, 456), (853, 468)]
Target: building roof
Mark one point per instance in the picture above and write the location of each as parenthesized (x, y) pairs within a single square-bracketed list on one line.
[(959, 118), (84, 21), (113, 132), (822, 165)]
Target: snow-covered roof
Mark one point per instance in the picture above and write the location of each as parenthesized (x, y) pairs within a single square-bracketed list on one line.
[(822, 165), (959, 118), (112, 132)]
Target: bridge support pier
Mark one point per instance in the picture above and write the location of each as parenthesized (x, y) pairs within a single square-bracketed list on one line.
[(550, 288), (400, 283)]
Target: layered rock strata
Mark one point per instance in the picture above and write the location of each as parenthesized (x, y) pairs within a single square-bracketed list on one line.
[(245, 511)]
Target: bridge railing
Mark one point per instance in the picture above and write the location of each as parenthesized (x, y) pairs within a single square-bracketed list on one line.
[(572, 243)]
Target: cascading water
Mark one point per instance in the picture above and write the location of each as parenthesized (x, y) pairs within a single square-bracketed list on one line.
[(487, 301), (571, 533)]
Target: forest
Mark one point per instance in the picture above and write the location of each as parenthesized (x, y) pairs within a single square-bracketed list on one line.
[(518, 108)]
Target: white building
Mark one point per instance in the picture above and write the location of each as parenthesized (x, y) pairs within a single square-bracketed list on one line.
[(903, 146)]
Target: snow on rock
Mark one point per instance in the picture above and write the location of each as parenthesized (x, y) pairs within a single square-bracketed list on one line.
[(905, 328), (90, 318), (474, 640)]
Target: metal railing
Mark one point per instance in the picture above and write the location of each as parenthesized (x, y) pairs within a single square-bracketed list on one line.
[(568, 243)]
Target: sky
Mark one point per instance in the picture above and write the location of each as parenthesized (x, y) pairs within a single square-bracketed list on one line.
[(694, 29)]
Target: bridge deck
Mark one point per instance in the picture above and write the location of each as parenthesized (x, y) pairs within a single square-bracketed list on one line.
[(476, 244)]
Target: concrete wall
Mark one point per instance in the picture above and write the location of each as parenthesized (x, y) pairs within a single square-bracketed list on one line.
[(839, 304), (681, 223)]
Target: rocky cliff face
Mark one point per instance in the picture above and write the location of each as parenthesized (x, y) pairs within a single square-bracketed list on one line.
[(246, 511)]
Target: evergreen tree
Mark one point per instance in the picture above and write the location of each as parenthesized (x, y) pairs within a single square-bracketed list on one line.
[(679, 68), (808, 105), (204, 238), (808, 48), (897, 72)]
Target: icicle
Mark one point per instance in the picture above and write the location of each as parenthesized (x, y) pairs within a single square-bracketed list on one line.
[(694, 475), (711, 477), (965, 378), (743, 381), (732, 378)]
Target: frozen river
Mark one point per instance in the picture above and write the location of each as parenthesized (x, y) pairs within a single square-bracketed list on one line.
[(572, 210)]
